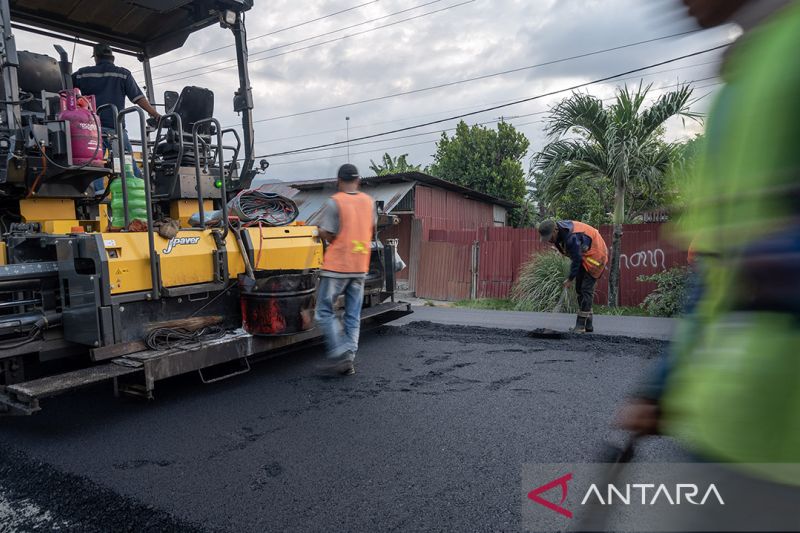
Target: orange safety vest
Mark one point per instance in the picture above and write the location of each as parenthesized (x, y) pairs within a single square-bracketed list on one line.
[(596, 257), (350, 252)]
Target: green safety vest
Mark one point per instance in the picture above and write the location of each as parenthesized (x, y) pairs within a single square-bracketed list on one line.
[(734, 392)]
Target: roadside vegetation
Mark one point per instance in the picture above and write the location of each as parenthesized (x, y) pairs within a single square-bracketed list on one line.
[(671, 291), (539, 287)]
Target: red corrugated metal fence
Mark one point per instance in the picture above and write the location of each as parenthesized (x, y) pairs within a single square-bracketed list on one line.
[(445, 262), (645, 251), (444, 271)]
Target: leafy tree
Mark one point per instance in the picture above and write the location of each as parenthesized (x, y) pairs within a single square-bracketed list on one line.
[(392, 165), (487, 160), (619, 142), (587, 200)]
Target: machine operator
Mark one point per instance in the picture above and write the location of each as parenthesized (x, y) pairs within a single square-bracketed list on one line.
[(110, 84)]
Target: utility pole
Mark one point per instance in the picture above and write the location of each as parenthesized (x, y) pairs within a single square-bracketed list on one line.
[(347, 122)]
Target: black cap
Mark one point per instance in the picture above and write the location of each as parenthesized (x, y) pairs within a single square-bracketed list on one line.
[(348, 172), (546, 229), (102, 50)]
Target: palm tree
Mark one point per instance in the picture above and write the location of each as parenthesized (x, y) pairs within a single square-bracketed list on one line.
[(619, 142)]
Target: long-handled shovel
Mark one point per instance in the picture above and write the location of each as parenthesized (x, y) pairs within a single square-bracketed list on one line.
[(595, 516), (546, 333)]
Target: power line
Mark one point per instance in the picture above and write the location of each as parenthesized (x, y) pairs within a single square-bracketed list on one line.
[(387, 148), (312, 38), (468, 80), (508, 119), (337, 130), (501, 106), (273, 32), (351, 153)]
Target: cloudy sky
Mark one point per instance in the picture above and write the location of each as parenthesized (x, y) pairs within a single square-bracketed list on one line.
[(385, 47)]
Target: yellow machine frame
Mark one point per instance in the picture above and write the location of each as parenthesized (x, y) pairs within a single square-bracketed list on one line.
[(188, 258)]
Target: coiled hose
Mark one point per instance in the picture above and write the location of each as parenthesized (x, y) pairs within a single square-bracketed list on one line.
[(254, 206)]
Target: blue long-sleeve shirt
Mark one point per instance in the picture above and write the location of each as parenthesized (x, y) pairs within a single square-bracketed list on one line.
[(573, 245)]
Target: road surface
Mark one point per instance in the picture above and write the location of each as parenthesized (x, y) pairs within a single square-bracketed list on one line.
[(429, 435)]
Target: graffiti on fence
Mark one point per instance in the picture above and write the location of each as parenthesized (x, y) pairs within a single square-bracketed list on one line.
[(644, 259)]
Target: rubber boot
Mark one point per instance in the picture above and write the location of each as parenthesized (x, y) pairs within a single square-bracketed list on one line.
[(580, 323), (589, 326)]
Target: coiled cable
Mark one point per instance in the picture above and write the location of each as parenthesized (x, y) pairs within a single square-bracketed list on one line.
[(255, 206)]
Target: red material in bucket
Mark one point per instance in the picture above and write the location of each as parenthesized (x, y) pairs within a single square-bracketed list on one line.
[(278, 303)]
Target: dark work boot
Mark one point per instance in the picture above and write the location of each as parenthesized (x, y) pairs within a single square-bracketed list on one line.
[(589, 326), (580, 323)]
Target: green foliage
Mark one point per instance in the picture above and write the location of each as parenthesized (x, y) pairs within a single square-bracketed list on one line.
[(684, 167), (540, 284), (392, 165), (589, 201), (493, 304), (487, 160), (670, 294), (619, 144), (619, 310)]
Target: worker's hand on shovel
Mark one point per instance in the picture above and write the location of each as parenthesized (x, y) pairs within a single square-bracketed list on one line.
[(568, 283), (640, 416)]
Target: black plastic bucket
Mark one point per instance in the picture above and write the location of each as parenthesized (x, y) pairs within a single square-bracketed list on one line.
[(278, 302)]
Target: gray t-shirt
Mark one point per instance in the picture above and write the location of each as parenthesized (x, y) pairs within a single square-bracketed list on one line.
[(329, 221)]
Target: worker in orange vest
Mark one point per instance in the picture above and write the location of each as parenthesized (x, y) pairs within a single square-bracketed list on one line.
[(347, 224), (583, 244)]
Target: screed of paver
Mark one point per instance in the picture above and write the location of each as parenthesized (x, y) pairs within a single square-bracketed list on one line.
[(429, 435)]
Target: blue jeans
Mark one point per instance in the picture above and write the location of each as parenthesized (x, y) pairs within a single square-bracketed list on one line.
[(97, 184), (340, 338)]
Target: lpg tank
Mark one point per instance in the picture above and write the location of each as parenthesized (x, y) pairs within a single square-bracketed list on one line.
[(84, 127)]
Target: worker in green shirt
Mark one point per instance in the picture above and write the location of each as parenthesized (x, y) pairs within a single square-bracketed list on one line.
[(730, 388)]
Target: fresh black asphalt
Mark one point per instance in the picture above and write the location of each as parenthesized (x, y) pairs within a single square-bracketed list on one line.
[(429, 435)]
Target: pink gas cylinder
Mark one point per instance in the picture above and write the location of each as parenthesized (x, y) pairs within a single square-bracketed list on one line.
[(84, 128)]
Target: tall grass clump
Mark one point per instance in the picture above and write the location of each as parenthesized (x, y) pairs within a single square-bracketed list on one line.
[(540, 284)]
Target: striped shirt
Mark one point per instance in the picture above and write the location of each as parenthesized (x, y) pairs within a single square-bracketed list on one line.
[(109, 84)]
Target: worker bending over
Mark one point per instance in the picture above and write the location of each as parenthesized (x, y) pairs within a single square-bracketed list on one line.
[(583, 244), (347, 224)]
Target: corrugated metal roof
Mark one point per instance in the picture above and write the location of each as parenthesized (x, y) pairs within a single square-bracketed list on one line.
[(419, 177), (311, 201)]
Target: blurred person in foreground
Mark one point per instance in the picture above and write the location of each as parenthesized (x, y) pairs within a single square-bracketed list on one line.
[(729, 391), (347, 224), (588, 252)]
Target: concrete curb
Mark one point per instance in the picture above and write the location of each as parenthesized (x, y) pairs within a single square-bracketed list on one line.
[(625, 326)]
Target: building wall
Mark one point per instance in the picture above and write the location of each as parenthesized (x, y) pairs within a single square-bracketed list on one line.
[(445, 210)]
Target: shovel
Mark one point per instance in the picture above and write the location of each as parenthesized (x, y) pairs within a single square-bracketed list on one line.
[(546, 333), (560, 304), (596, 516)]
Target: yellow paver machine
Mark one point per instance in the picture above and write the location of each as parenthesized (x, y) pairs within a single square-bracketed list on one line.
[(83, 301)]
